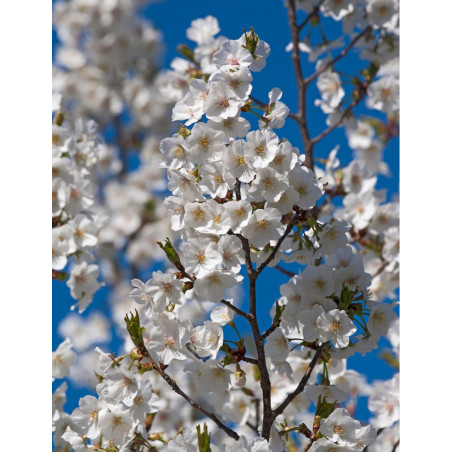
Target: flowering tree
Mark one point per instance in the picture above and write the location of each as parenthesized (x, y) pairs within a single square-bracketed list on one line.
[(198, 370)]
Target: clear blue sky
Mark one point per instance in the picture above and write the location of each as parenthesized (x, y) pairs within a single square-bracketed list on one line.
[(269, 19)]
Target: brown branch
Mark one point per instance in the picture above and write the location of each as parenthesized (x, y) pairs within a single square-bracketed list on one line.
[(121, 144), (308, 444), (258, 102), (179, 391), (313, 13), (339, 121), (238, 195), (284, 271), (300, 388), (300, 116), (252, 427), (396, 445), (380, 270), (235, 309), (271, 329), (278, 244), (341, 55), (250, 360), (259, 342)]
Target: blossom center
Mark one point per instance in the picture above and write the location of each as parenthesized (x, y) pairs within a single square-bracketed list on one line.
[(204, 143)]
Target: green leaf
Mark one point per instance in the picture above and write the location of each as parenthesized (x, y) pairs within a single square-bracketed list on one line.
[(324, 409), (188, 53), (345, 298), (251, 41), (203, 438), (134, 328), (170, 252)]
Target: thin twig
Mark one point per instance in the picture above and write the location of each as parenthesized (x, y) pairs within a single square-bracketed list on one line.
[(270, 330), (300, 388), (300, 116), (380, 270), (258, 102), (179, 391), (284, 271), (341, 55), (308, 444), (278, 244), (396, 445), (250, 360), (313, 13), (251, 426), (238, 195), (121, 144), (339, 121), (235, 309)]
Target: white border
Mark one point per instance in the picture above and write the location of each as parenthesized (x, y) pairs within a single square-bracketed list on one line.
[(426, 304), (25, 187)]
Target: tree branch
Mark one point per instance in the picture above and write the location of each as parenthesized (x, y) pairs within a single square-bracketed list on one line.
[(308, 444), (339, 121), (235, 309), (341, 55), (121, 144), (259, 342), (284, 271), (300, 388), (250, 360), (271, 329), (313, 13), (278, 244), (300, 116), (179, 391)]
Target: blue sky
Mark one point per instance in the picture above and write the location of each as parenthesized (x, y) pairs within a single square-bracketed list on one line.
[(269, 19)]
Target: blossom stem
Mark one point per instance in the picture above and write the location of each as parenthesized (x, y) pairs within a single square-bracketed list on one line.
[(235, 309), (179, 391), (300, 388), (278, 244), (308, 444), (341, 55)]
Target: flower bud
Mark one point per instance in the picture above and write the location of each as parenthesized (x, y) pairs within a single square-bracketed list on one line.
[(135, 355), (239, 378)]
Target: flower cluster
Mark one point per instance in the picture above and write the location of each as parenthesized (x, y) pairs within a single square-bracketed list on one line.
[(244, 199), (75, 155)]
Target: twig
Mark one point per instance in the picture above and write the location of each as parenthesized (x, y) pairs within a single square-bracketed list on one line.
[(300, 116), (259, 342), (341, 55), (251, 426), (278, 244), (380, 270), (235, 309), (300, 388), (284, 271), (238, 195), (258, 102), (250, 360), (313, 13), (396, 445), (308, 444), (270, 330), (121, 145), (339, 121), (179, 391)]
